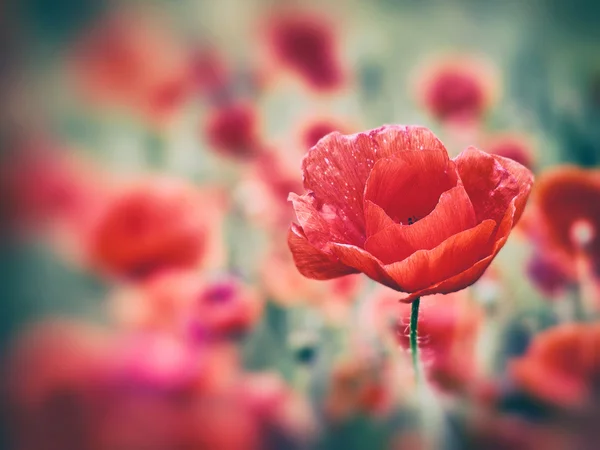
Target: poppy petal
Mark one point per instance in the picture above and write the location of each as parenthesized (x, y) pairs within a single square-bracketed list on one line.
[(336, 169), (364, 262), (473, 273), (376, 218), (408, 186), (312, 262), (321, 224), (392, 140), (523, 178), (454, 213), (456, 254), (492, 182)]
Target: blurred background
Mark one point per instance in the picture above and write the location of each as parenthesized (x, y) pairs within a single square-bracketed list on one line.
[(149, 299)]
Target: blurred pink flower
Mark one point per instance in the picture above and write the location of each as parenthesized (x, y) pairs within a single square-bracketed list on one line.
[(189, 305), (233, 130), (75, 386), (458, 89), (210, 72), (305, 43)]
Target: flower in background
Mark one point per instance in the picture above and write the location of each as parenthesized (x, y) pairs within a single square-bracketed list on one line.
[(233, 130), (391, 204), (53, 384), (562, 365), (45, 186), (192, 306), (210, 72), (517, 147), (149, 226), (549, 273), (448, 328), (358, 387), (566, 202), (72, 385), (457, 89), (131, 60), (305, 44), (562, 224)]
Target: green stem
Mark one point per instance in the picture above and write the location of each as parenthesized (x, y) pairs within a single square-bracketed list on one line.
[(414, 349)]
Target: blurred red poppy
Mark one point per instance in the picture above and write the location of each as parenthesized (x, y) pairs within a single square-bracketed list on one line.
[(358, 387), (43, 186), (391, 204), (457, 89), (562, 365), (152, 225), (130, 59), (189, 305), (566, 201), (305, 43), (233, 130), (448, 328)]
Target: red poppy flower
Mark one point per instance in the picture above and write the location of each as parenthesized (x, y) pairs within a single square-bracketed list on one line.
[(562, 365), (150, 226), (567, 199), (232, 130), (457, 89), (306, 44), (391, 204)]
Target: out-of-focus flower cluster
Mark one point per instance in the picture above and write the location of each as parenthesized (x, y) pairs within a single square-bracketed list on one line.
[(152, 301)]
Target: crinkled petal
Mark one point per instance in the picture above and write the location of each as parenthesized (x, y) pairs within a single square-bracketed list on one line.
[(409, 185), (376, 218), (337, 167), (473, 273), (453, 214), (312, 262), (322, 224), (336, 170), (456, 254), (392, 140), (523, 177), (364, 262), (492, 182)]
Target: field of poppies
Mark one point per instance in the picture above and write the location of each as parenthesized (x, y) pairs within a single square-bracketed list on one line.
[(272, 225)]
